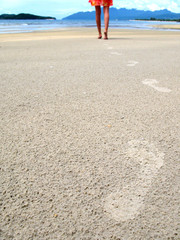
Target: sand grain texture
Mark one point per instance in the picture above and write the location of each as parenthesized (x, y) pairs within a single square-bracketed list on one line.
[(80, 131)]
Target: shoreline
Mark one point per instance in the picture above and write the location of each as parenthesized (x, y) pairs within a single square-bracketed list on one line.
[(167, 26), (15, 26), (77, 33)]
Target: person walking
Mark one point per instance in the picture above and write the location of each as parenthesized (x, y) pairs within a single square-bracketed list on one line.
[(106, 4)]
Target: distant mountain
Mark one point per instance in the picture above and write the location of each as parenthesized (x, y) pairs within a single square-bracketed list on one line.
[(23, 16), (126, 14)]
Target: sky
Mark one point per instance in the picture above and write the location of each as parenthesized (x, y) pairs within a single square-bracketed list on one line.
[(63, 8)]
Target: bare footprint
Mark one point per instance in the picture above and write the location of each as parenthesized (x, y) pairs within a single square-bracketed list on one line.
[(116, 53), (132, 63), (127, 203), (152, 83)]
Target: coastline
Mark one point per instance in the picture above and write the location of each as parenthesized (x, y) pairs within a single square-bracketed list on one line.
[(167, 26), (20, 26), (76, 33)]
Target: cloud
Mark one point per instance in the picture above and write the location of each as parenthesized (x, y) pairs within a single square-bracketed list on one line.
[(150, 4), (154, 7), (174, 7)]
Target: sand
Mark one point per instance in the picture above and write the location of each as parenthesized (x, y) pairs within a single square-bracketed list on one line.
[(90, 135), (168, 26)]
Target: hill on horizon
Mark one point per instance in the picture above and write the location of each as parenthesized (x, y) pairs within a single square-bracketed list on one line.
[(126, 14), (23, 16)]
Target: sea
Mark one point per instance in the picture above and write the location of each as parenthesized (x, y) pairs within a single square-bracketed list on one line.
[(20, 26)]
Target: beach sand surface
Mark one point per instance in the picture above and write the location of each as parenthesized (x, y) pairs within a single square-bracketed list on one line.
[(168, 26), (90, 135)]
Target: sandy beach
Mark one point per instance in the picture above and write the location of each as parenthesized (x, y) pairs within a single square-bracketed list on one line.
[(168, 26), (90, 135)]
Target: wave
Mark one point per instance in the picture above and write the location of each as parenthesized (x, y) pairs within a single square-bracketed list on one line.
[(11, 26)]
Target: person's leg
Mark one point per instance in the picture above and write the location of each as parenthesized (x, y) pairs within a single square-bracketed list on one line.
[(106, 21), (98, 20)]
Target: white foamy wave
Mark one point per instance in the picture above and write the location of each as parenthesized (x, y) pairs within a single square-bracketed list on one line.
[(11, 26)]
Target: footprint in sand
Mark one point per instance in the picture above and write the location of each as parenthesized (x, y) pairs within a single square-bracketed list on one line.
[(127, 203), (152, 83), (116, 53), (132, 63)]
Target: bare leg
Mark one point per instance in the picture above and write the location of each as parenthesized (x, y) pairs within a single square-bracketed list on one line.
[(106, 21), (98, 20)]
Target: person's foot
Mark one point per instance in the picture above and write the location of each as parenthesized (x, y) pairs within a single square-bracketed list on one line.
[(105, 36), (100, 36)]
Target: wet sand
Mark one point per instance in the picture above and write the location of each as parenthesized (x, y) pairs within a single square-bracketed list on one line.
[(168, 26), (90, 135)]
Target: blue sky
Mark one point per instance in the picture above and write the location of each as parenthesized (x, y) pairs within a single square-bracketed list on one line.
[(62, 8)]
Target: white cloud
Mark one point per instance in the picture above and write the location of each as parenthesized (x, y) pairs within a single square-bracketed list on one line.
[(174, 7), (150, 4), (154, 7)]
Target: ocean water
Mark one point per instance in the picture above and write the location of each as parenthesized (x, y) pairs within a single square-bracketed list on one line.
[(17, 26)]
